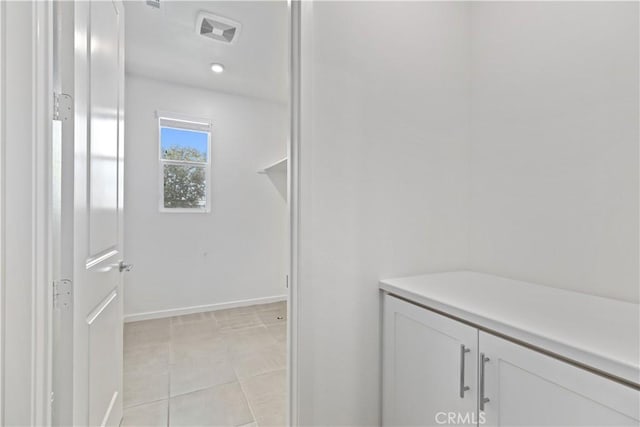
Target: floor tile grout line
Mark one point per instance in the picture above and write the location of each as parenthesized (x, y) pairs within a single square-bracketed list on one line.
[(204, 388), (247, 397), (244, 393), (169, 401), (228, 332), (148, 402)]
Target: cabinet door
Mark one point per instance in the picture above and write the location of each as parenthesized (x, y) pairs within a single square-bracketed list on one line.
[(525, 387), (428, 361)]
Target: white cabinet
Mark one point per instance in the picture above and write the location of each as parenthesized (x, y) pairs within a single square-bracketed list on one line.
[(430, 365), (528, 388), (423, 365)]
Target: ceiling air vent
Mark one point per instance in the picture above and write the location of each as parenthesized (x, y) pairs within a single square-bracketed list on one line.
[(217, 28)]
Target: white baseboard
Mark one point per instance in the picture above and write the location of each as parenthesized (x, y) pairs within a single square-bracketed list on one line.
[(200, 308)]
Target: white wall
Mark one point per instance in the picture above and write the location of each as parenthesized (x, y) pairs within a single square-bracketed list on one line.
[(496, 136), (555, 144), (237, 251), (384, 183)]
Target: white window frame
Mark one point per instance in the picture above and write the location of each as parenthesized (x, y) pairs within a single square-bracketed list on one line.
[(194, 124)]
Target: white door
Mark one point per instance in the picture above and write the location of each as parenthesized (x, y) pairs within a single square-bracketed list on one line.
[(429, 367), (528, 388), (97, 221)]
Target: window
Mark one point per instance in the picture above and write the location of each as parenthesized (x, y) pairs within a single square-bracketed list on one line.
[(185, 160)]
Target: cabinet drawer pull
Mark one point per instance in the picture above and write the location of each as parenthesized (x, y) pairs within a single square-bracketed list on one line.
[(463, 387), (483, 399)]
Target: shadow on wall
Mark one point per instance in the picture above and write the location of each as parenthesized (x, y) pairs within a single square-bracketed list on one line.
[(279, 180)]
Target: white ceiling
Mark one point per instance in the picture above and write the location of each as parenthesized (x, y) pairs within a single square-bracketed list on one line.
[(163, 44)]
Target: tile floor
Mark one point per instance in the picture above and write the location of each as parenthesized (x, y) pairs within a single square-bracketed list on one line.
[(221, 368)]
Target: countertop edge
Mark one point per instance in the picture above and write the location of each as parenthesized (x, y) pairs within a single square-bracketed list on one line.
[(605, 365)]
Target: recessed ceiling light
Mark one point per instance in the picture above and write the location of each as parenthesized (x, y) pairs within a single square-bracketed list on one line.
[(217, 68)]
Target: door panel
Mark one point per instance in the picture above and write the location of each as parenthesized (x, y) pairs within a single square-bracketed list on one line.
[(98, 58), (103, 125), (104, 354), (528, 388), (422, 367)]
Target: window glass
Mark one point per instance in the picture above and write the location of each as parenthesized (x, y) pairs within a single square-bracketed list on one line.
[(184, 145), (185, 186)]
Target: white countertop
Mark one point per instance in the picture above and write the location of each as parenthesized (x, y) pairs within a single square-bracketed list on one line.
[(601, 333)]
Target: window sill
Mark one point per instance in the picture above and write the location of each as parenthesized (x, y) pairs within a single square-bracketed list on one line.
[(185, 210)]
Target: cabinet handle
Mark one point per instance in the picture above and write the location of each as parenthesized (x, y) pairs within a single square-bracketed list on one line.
[(463, 387), (483, 399)]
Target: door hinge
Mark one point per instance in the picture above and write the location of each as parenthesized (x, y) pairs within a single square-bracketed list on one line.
[(62, 107), (62, 294)]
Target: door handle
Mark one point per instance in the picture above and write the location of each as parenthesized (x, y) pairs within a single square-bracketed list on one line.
[(483, 399), (124, 267), (463, 387)]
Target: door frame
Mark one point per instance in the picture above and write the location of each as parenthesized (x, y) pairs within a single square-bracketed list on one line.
[(300, 40), (35, 296), (293, 198)]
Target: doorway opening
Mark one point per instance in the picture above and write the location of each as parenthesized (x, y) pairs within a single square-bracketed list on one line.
[(174, 222), (206, 91)]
